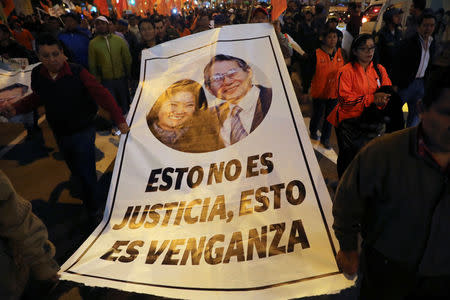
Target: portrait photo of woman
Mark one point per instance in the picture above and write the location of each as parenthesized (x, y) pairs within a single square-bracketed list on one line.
[(180, 119)]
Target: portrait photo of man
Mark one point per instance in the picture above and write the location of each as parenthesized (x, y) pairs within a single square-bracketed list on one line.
[(241, 104), (12, 92)]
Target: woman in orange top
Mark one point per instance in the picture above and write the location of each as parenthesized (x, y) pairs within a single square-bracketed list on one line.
[(327, 60), (358, 88)]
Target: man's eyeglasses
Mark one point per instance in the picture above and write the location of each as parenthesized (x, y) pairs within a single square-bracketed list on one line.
[(218, 78), (367, 49)]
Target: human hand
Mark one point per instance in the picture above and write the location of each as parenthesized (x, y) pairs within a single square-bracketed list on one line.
[(123, 127), (54, 278), (381, 99), (348, 261), (277, 26)]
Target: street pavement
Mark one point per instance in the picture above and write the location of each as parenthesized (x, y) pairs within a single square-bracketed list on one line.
[(38, 172)]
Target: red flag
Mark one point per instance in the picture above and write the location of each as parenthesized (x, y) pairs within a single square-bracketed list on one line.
[(102, 7), (8, 7), (278, 6), (120, 6), (45, 7)]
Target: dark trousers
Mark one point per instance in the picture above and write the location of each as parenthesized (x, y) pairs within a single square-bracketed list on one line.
[(119, 90), (321, 108), (78, 151), (383, 278), (346, 152)]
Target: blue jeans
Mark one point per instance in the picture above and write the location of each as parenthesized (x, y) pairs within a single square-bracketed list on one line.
[(78, 151), (411, 95)]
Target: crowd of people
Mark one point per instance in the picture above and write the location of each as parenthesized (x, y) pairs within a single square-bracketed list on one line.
[(360, 92)]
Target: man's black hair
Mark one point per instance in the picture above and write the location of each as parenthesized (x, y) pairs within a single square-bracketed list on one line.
[(157, 19), (425, 16), (319, 8), (352, 5), (326, 32), (437, 81), (75, 17), (420, 4), (222, 57), (146, 20), (48, 40)]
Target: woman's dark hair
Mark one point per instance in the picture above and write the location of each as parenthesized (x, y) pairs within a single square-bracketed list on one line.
[(184, 85), (357, 42), (48, 40)]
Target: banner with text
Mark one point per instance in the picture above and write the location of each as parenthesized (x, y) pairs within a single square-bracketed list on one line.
[(216, 190)]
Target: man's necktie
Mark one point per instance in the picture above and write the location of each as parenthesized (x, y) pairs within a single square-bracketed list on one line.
[(237, 129)]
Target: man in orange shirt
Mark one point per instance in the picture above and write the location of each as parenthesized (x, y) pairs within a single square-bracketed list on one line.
[(327, 61), (22, 35)]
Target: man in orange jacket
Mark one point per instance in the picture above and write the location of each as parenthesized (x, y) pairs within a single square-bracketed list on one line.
[(327, 60)]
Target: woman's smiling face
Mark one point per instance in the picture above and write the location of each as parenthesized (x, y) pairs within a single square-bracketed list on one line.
[(176, 111)]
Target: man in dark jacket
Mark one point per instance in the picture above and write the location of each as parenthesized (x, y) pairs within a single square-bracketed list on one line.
[(70, 95), (397, 195), (388, 38), (76, 39), (411, 63), (416, 10)]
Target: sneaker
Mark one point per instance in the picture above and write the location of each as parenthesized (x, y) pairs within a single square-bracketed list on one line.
[(314, 137)]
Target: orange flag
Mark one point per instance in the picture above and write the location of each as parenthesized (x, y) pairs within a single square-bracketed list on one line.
[(171, 6), (278, 6), (8, 6), (162, 8)]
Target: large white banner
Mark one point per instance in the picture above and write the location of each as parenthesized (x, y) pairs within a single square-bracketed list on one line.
[(216, 191), (14, 84)]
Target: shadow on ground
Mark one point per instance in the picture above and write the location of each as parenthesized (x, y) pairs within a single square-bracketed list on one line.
[(29, 150)]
